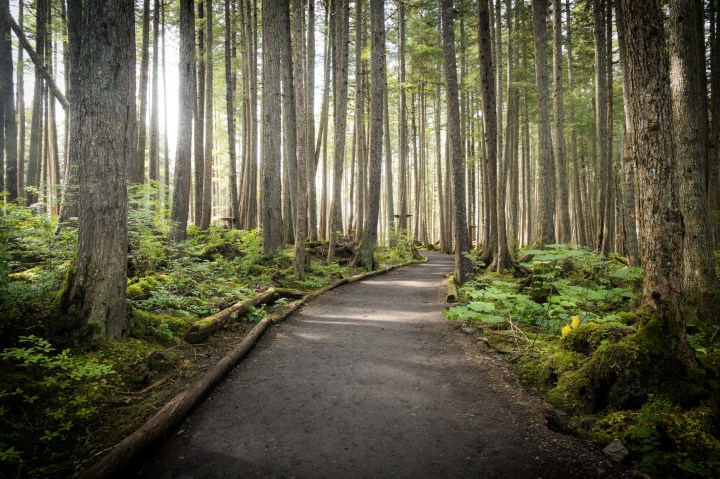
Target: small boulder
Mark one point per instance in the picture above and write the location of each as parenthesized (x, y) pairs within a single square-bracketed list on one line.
[(615, 451)]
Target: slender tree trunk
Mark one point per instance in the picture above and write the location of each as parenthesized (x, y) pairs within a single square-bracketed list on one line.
[(601, 125), (546, 175), (98, 277), (312, 159), (289, 126), (186, 100), (154, 164), (199, 129), (273, 11), (20, 105), (563, 205), (340, 21), (166, 146), (8, 125), (661, 220), (35, 152), (687, 66), (578, 207), (359, 123), (230, 102), (389, 205), (206, 216), (303, 148), (136, 171), (324, 127), (402, 128), (463, 266)]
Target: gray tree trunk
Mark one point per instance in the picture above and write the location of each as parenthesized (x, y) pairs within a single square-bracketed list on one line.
[(8, 125), (271, 132), (545, 228), (301, 127), (186, 100), (289, 127), (154, 164), (563, 204), (206, 216), (136, 172), (463, 266), (402, 128), (107, 138), (199, 129), (230, 103), (687, 67)]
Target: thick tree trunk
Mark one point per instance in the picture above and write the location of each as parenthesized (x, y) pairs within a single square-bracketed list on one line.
[(661, 220), (365, 253), (186, 100), (713, 166), (107, 138), (687, 67), (341, 19), (463, 267), (289, 127)]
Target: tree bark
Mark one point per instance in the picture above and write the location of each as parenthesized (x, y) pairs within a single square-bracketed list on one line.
[(301, 127), (136, 168), (661, 220), (186, 100), (561, 187), (230, 103), (601, 126), (207, 195), (8, 125), (545, 228), (289, 127), (107, 138), (312, 159), (35, 153), (20, 106), (687, 67), (402, 127), (365, 253), (273, 10), (154, 163), (199, 129), (463, 267), (341, 20)]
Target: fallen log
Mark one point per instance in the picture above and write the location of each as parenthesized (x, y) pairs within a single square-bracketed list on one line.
[(200, 330), (452, 294)]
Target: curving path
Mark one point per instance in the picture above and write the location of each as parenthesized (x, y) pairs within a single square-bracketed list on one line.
[(370, 381)]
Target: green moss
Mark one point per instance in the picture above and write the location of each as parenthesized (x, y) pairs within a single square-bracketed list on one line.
[(586, 338), (153, 327), (140, 288)]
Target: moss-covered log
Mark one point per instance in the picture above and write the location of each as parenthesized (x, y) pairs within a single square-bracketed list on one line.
[(452, 294), (205, 327)]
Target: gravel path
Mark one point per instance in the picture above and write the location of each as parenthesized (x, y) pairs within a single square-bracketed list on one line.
[(370, 381)]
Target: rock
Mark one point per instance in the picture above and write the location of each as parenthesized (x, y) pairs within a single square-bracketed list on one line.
[(469, 329), (615, 451)]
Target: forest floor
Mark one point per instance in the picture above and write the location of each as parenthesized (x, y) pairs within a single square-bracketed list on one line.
[(370, 380)]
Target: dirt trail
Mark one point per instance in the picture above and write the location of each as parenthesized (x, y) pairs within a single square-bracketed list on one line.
[(370, 381)]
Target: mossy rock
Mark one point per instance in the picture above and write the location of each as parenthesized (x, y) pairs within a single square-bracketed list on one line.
[(586, 338), (140, 288), (152, 327)]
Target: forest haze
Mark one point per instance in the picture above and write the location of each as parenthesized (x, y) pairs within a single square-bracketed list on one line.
[(316, 137)]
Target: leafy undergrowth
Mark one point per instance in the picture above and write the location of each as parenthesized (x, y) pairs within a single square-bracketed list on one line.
[(569, 325), (66, 399)]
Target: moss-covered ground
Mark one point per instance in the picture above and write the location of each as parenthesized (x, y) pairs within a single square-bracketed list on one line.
[(65, 397), (568, 322)]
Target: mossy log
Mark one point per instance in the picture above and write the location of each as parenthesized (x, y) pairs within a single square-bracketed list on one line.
[(452, 294), (205, 327), (138, 443)]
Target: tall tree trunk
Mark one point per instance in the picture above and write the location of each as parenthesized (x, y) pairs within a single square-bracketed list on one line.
[(601, 126), (629, 204), (578, 207), (359, 123), (561, 185), (154, 164), (230, 102), (713, 174), (490, 119), (312, 160), (199, 129), (661, 220), (687, 66), (463, 267), (137, 166), (35, 153), (546, 175), (186, 100), (402, 127), (20, 106), (107, 138), (303, 148), (8, 126), (389, 204), (365, 253), (273, 11), (166, 146), (209, 126), (445, 242), (289, 126), (324, 127), (340, 21)]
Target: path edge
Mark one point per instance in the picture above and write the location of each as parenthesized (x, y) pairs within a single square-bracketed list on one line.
[(157, 427)]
